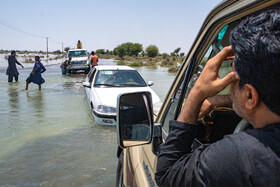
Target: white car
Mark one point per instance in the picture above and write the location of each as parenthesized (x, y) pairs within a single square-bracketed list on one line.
[(103, 84)]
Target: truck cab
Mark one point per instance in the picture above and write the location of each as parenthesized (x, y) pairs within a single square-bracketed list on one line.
[(79, 61), (141, 131)]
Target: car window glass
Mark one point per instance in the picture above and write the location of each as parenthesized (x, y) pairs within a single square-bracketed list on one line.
[(218, 45), (119, 78), (212, 51), (91, 74), (78, 53), (170, 115)]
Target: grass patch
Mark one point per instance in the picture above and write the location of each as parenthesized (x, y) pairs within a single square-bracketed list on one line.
[(121, 62), (173, 69), (136, 64)]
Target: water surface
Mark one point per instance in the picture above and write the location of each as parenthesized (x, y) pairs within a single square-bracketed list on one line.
[(49, 137)]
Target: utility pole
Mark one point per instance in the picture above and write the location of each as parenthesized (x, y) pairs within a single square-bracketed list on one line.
[(47, 49)]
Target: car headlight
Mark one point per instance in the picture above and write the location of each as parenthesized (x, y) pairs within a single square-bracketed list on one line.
[(106, 109)]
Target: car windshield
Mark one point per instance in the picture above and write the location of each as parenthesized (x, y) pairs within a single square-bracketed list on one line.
[(80, 53), (119, 78)]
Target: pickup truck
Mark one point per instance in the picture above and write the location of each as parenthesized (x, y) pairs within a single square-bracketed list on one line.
[(79, 61), (140, 136)]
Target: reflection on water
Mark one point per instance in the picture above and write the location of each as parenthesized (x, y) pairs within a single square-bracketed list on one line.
[(13, 98), (49, 138), (37, 103)]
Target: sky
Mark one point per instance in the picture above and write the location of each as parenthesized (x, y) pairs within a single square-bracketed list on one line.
[(101, 24)]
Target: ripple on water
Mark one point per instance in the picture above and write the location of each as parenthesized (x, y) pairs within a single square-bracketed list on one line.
[(49, 137)]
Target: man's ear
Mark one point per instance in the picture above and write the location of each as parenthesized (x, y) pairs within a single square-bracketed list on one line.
[(251, 95)]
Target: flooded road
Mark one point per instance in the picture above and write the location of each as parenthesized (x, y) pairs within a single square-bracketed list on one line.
[(49, 138)]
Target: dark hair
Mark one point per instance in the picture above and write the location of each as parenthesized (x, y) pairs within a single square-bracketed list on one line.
[(37, 57), (256, 43), (92, 52), (13, 52)]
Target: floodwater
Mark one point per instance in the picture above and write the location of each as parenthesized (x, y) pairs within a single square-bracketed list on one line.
[(49, 138)]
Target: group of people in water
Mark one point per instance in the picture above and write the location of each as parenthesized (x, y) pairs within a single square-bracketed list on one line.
[(35, 76)]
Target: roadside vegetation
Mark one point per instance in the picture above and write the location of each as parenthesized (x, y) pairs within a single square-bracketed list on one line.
[(133, 54)]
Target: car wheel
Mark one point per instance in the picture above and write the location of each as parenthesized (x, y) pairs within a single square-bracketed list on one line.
[(119, 176)]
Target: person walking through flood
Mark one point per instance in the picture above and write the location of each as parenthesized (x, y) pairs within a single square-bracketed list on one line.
[(93, 59), (79, 45), (64, 65), (35, 76), (12, 68)]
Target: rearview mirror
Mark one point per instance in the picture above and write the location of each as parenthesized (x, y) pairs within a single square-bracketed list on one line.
[(86, 84), (150, 83), (134, 119)]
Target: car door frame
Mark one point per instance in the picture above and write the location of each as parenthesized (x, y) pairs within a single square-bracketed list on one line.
[(90, 78), (144, 165)]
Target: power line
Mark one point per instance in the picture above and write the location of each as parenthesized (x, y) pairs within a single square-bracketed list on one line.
[(55, 41), (3, 22), (18, 30)]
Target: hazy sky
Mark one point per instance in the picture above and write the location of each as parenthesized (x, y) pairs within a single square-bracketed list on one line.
[(101, 24)]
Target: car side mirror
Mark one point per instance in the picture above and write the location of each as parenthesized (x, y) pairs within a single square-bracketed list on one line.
[(134, 119), (86, 84), (150, 83)]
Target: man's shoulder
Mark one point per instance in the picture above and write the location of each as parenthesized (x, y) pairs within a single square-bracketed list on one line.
[(253, 142), (234, 145), (236, 148), (241, 139)]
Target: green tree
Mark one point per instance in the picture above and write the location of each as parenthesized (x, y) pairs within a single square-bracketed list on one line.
[(120, 51), (100, 51), (123, 49), (152, 51), (164, 55), (176, 51), (57, 52), (128, 48), (115, 51), (182, 54), (66, 49), (135, 49)]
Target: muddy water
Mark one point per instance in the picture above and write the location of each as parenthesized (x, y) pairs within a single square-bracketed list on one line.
[(49, 138)]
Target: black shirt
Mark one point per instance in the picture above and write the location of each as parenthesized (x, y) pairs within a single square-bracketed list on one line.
[(248, 158), (12, 69)]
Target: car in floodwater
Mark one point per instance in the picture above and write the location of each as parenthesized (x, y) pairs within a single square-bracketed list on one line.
[(140, 136), (79, 62), (103, 84)]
